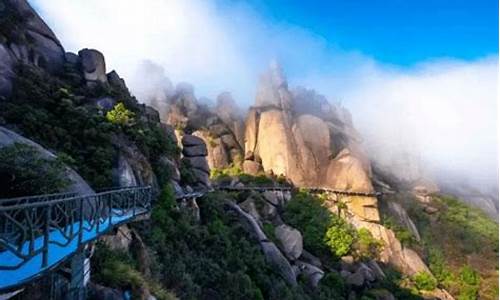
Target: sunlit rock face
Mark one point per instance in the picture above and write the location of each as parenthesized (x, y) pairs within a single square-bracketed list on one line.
[(302, 136)]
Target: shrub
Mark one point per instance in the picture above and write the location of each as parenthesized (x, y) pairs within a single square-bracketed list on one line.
[(58, 114), (120, 115), (117, 270), (425, 281), (215, 257), (23, 171), (324, 233), (46, 111), (338, 238), (438, 267), (367, 245), (187, 174)]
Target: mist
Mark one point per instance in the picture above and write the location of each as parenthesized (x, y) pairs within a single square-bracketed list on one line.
[(442, 113)]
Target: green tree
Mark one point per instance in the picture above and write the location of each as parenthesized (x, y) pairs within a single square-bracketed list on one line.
[(339, 238), (120, 115)]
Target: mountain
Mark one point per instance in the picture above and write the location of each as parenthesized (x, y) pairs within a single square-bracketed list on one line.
[(290, 205)]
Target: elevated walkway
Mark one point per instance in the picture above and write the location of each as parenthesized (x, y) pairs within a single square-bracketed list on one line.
[(38, 233)]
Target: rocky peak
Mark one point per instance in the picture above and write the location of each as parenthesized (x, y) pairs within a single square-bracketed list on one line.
[(273, 90)]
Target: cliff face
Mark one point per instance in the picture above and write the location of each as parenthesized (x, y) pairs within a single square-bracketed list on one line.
[(303, 137), (24, 37)]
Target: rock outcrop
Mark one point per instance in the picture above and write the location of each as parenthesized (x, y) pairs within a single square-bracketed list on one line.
[(271, 251), (76, 182), (393, 252), (25, 38), (311, 142), (93, 66), (220, 125), (194, 151), (290, 240)]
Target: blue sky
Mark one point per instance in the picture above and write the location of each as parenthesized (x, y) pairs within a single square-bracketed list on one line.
[(401, 32)]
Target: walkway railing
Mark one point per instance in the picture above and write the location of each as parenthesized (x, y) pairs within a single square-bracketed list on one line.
[(288, 188), (37, 233)]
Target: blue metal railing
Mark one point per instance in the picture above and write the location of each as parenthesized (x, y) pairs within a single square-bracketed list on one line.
[(39, 232)]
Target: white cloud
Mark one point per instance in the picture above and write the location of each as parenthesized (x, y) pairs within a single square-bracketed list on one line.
[(444, 112)]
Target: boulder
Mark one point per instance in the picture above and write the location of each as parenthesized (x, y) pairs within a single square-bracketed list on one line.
[(116, 81), (47, 53), (93, 66), (356, 279), (312, 273), (290, 240), (137, 163), (279, 262), (202, 177), (198, 150), (120, 241), (72, 59), (249, 207), (271, 252), (191, 140), (178, 191), (229, 141), (310, 259), (403, 259), (347, 263), (217, 156), (275, 146), (171, 167), (251, 167), (198, 162), (347, 173), (123, 174), (151, 114), (268, 211), (376, 269), (35, 44), (368, 274)]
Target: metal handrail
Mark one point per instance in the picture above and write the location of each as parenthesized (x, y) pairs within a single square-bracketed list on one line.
[(29, 228)]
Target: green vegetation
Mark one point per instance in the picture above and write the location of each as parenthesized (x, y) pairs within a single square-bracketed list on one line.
[(120, 115), (234, 170), (60, 115), (462, 247), (324, 233), (338, 238), (24, 171), (402, 233), (425, 281), (366, 245), (217, 258), (187, 175), (118, 269)]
